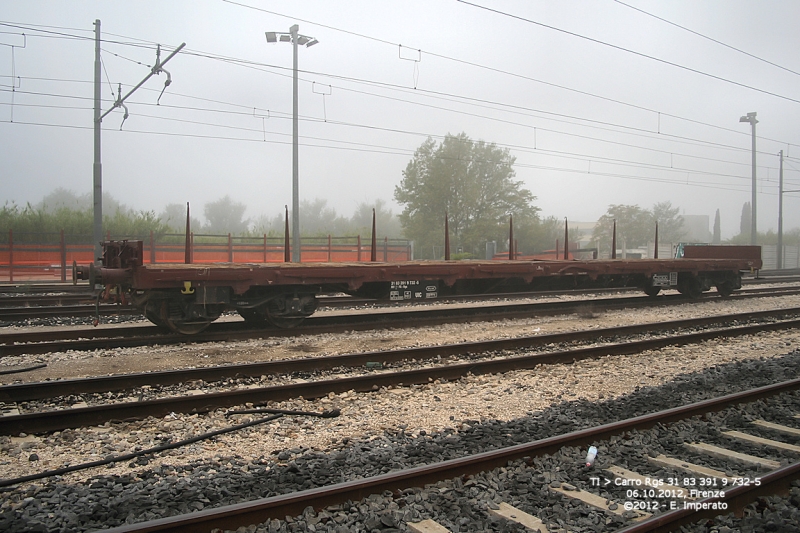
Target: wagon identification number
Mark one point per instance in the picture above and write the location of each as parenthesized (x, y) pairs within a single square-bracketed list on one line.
[(665, 280), (413, 290)]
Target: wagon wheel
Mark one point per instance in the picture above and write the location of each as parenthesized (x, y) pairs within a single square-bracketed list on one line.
[(188, 327), (691, 287), (652, 291), (285, 322), (288, 311), (178, 318), (725, 289), (152, 312)]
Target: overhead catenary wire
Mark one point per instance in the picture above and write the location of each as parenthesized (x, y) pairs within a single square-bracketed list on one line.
[(499, 71), (630, 51), (252, 63), (407, 152), (707, 37), (555, 153), (500, 104)]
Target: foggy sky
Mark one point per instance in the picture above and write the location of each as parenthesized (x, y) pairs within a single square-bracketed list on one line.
[(224, 124)]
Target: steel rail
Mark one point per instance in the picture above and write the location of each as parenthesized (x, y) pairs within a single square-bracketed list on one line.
[(19, 392), (55, 420), (258, 511), (144, 335)]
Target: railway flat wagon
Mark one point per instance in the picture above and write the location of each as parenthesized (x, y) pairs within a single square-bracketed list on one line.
[(186, 298)]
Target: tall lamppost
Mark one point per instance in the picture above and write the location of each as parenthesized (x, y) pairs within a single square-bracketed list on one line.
[(751, 118), (303, 40)]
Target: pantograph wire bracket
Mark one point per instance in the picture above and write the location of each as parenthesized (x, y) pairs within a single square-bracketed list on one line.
[(18, 83), (324, 93), (263, 126), (411, 54)]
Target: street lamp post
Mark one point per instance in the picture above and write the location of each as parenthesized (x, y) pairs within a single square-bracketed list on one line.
[(751, 118), (306, 41)]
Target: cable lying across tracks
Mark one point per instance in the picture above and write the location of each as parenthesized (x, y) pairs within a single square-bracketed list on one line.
[(259, 511), (84, 416)]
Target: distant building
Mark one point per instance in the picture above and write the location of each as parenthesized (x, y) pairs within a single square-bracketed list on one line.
[(695, 228)]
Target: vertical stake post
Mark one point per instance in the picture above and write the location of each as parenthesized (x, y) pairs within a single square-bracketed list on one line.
[(614, 241), (187, 247), (63, 257), (655, 252), (566, 239), (446, 237), (373, 252), (510, 237), (287, 257)]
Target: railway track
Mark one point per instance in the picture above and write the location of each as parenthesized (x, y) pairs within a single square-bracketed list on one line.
[(474, 362), (64, 339), (476, 497), (668, 491), (17, 306)]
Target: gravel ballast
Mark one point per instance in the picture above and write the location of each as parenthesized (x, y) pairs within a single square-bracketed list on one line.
[(175, 485)]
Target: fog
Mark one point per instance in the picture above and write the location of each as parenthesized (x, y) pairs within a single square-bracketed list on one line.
[(590, 124)]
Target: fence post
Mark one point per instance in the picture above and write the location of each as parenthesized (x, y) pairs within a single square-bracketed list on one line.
[(63, 257), (359, 248), (152, 248), (11, 256), (230, 249), (329, 247)]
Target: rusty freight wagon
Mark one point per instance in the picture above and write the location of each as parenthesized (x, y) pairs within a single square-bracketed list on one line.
[(186, 298)]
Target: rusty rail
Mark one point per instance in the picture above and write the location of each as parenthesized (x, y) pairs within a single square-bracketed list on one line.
[(259, 511), (85, 416)]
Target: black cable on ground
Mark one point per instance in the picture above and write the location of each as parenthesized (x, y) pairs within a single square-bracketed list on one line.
[(24, 369), (325, 414), (134, 455)]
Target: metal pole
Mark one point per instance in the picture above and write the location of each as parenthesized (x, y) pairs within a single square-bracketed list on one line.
[(779, 262), (295, 172), (97, 170), (753, 231)]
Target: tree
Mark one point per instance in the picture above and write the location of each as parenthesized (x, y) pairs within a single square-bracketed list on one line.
[(317, 219), (386, 221), (473, 182), (635, 227), (747, 219), (717, 237), (225, 216), (174, 217), (670, 224)]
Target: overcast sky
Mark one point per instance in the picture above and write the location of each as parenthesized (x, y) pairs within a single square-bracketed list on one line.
[(589, 124)]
